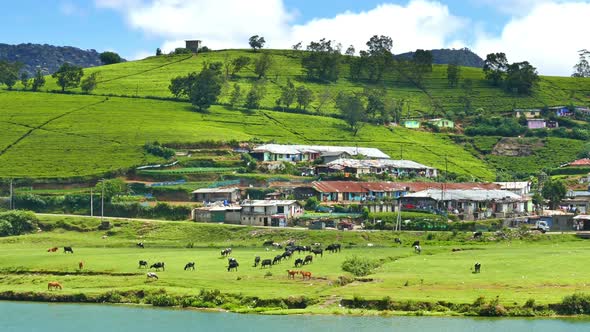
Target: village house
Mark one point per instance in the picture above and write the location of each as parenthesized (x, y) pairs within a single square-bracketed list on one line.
[(298, 153), (561, 111), (442, 123), (584, 162), (576, 201), (218, 213), (330, 156), (397, 168), (536, 123), (521, 188), (412, 124), (269, 212), (217, 195), (471, 204), (527, 113)]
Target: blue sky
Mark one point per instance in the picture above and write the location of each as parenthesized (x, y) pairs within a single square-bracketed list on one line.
[(135, 28)]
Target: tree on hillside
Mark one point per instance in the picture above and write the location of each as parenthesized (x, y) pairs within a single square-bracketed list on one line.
[(238, 64), (235, 95), (68, 76), (109, 58), (297, 47), (158, 51), (495, 67), (206, 88), (521, 77), (181, 85), (554, 191), (9, 73), (255, 95), (379, 45), (352, 109), (453, 74), (38, 81), (256, 42), (467, 98), (24, 80), (90, 82), (111, 187), (322, 62), (375, 102), (350, 51), (288, 94), (263, 64), (582, 68), (423, 60), (304, 97), (323, 98), (377, 60)]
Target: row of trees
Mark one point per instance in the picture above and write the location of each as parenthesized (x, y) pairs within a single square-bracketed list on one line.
[(518, 77)]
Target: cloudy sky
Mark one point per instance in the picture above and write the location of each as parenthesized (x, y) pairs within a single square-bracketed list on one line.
[(547, 33)]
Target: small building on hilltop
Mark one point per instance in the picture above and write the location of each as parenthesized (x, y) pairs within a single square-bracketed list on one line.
[(442, 123), (297, 153), (193, 45)]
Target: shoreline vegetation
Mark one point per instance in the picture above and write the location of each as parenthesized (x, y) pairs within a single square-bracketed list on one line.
[(524, 274)]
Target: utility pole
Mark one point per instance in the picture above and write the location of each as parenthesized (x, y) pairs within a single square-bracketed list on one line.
[(102, 202), (91, 204), (401, 151)]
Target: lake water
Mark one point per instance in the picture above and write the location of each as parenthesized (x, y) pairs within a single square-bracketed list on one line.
[(47, 317)]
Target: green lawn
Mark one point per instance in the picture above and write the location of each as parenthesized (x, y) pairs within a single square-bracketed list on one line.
[(545, 270)]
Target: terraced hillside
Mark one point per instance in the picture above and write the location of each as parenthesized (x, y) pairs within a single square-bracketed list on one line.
[(151, 77), (57, 136)]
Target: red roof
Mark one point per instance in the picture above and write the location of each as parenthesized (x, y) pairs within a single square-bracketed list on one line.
[(364, 187), (580, 162)]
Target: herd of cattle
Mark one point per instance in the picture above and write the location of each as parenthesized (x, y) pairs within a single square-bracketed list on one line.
[(314, 250)]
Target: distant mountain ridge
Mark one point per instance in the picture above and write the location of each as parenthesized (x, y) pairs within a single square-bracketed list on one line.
[(463, 57), (48, 57)]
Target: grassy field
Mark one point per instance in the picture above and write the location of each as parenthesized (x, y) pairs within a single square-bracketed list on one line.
[(88, 135), (546, 269)]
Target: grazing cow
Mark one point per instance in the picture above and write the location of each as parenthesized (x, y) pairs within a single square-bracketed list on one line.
[(397, 240), (277, 245), (418, 249), (336, 247), (233, 265), (256, 261), (142, 264), (287, 254), (477, 235), (416, 243), (80, 265), (158, 266), (305, 274), (298, 262), (54, 249), (266, 262), (189, 265), (308, 259), (268, 243), (477, 268), (68, 249), (140, 245), (456, 249), (291, 274), (152, 275), (225, 252), (318, 251), (54, 285), (277, 259)]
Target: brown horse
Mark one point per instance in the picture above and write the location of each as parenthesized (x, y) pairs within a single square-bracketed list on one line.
[(54, 249), (53, 285), (80, 265), (305, 274), (291, 274)]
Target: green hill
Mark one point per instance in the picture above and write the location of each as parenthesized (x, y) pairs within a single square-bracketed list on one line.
[(50, 135)]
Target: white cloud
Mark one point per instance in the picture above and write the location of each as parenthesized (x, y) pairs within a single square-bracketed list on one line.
[(69, 8), (513, 7), (548, 37)]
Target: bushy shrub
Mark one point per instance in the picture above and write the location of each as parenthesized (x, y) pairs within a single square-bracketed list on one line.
[(17, 222), (158, 150), (576, 304), (359, 266)]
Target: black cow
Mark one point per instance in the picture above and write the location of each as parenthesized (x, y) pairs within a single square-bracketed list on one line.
[(416, 243), (68, 249), (477, 268), (225, 252), (268, 243), (142, 264), (277, 259), (298, 262), (256, 261), (233, 265), (477, 235), (308, 259), (140, 245), (189, 265), (336, 247), (158, 266), (318, 251), (266, 262), (287, 254), (397, 240)]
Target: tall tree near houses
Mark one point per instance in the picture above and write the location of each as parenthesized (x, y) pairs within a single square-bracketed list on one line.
[(304, 97), (352, 109), (453, 74), (582, 68), (68, 76), (554, 191), (495, 67), (288, 94)]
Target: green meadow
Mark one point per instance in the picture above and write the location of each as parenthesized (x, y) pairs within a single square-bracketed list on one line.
[(544, 267)]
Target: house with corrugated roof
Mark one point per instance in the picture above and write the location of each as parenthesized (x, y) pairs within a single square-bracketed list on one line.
[(297, 153), (217, 194), (397, 168), (269, 212)]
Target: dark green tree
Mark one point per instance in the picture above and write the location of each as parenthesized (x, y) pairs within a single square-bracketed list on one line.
[(158, 51), (304, 97), (9, 73), (495, 67), (206, 88), (322, 62), (90, 82), (24, 80), (352, 109), (109, 58), (38, 81), (256, 42), (453, 74), (68, 76), (423, 61), (111, 187), (238, 64), (554, 191), (378, 60), (582, 68), (375, 102), (235, 95), (521, 77), (255, 95), (288, 94), (263, 64), (180, 86)]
